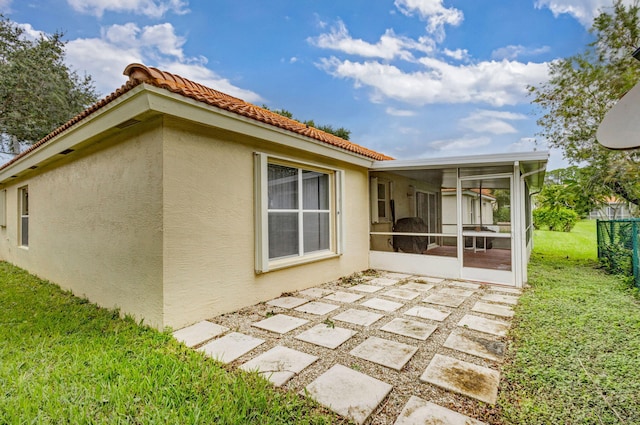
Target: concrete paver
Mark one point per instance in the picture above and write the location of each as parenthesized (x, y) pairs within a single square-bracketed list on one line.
[(384, 352), (401, 293), (464, 378), (398, 276), (384, 281), (466, 285), (198, 333), (279, 364), (383, 305), (231, 346), (475, 345), (316, 307), (421, 412), (514, 291), (280, 323), (495, 309), (326, 336), (446, 300), (358, 317), (477, 323), (415, 286), (348, 393), (500, 298), (344, 297), (458, 292), (410, 328), (369, 289), (427, 313), (315, 292), (287, 302)]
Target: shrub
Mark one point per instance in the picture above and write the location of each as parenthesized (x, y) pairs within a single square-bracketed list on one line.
[(556, 219)]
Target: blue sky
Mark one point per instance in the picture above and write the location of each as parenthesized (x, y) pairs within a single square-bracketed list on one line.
[(410, 78)]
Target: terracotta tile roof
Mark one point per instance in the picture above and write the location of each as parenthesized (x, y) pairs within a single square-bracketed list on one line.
[(139, 74)]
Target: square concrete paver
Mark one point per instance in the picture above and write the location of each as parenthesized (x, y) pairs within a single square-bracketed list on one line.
[(458, 292), (315, 292), (358, 317), (279, 364), (480, 324), (230, 347), (383, 305), (495, 309), (434, 280), (370, 289), (466, 285), (398, 276), (421, 412), (280, 323), (383, 281), (198, 333), (427, 313), (499, 298), (401, 293), (514, 291), (475, 345), (415, 286), (287, 302), (446, 300), (384, 352), (343, 297), (464, 378), (410, 328), (348, 393), (316, 307), (326, 336)]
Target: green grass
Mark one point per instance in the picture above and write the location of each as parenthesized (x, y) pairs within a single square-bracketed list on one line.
[(64, 360), (574, 355)]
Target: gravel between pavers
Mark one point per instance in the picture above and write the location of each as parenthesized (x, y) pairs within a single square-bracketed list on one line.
[(405, 382)]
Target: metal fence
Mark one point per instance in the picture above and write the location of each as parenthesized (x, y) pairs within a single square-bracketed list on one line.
[(618, 246)]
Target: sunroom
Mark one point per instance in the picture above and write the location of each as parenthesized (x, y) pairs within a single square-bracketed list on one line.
[(457, 218)]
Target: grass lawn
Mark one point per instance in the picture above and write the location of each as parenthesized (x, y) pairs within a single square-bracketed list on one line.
[(574, 355), (63, 360)]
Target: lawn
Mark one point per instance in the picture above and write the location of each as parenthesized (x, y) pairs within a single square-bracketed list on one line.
[(64, 360), (574, 354)]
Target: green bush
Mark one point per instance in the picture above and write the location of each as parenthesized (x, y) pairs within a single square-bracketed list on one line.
[(556, 219)]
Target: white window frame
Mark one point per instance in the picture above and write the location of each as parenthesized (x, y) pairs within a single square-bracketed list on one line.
[(375, 200), (23, 213), (3, 208), (336, 191)]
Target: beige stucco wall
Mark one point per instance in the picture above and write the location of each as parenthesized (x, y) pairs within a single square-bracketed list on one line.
[(95, 223), (209, 244)]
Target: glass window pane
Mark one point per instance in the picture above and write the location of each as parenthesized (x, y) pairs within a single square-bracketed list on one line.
[(382, 210), (283, 187), (283, 234), (382, 191), (316, 231), (315, 190)]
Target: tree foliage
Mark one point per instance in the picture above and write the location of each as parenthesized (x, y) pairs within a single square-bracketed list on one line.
[(341, 132), (38, 91), (582, 88)]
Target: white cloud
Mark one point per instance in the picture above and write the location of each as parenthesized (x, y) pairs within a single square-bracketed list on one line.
[(31, 33), (400, 112), (494, 83), (582, 10), (525, 144), (106, 57), (390, 45), (458, 54), (150, 8), (434, 12), (494, 122), (512, 52), (5, 5), (461, 144)]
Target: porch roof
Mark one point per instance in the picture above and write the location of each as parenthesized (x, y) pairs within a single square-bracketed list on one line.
[(532, 164)]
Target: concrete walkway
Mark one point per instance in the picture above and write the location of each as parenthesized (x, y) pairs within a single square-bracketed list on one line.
[(387, 349)]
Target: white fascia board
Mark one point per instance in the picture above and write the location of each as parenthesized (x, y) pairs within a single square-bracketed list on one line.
[(130, 105), (190, 109), (460, 161)]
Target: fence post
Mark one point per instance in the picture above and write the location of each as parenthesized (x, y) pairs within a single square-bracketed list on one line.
[(634, 235), (598, 237)]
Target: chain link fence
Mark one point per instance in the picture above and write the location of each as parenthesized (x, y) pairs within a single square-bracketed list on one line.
[(618, 246)]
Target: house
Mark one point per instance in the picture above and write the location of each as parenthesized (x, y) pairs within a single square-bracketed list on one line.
[(175, 202), (613, 209)]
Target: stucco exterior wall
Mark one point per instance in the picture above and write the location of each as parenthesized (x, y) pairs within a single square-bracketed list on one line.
[(95, 223), (209, 243)]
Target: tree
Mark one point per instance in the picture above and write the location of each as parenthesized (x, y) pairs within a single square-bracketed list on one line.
[(38, 92), (341, 132), (582, 88)]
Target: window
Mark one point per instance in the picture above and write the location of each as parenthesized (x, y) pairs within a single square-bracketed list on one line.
[(3, 208), (380, 200), (296, 212), (23, 201)]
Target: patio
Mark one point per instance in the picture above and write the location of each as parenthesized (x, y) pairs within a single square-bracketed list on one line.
[(381, 348)]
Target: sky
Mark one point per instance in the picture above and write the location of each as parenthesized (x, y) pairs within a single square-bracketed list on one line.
[(409, 78)]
